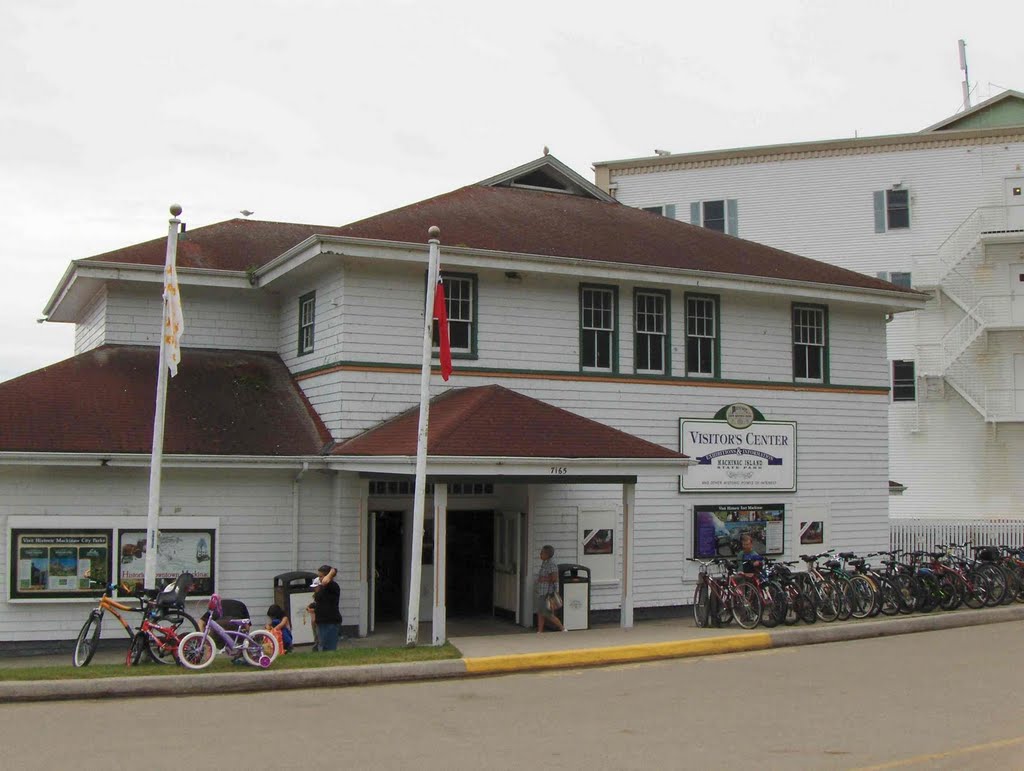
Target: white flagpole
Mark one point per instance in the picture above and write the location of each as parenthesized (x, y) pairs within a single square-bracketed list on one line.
[(415, 574), (153, 515)]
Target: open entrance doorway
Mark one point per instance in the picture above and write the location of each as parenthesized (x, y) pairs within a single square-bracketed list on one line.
[(470, 563), (388, 566)]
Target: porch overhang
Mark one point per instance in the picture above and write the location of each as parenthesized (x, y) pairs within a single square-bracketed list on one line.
[(513, 469)]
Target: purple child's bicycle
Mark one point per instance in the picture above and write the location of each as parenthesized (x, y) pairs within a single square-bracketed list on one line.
[(198, 649)]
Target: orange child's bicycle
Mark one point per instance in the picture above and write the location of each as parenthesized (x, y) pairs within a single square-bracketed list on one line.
[(89, 637)]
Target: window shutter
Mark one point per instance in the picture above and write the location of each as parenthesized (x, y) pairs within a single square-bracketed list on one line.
[(732, 217), (879, 211), (695, 213), (670, 211)]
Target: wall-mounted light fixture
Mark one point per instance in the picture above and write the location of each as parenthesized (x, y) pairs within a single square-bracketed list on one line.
[(512, 275)]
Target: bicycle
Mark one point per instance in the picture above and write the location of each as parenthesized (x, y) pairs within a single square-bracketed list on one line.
[(717, 599), (197, 650), (164, 624), (89, 636)]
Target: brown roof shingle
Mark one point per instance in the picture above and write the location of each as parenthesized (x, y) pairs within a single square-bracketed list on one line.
[(493, 421), (102, 401)]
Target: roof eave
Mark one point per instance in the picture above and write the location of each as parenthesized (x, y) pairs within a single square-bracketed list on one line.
[(144, 460)]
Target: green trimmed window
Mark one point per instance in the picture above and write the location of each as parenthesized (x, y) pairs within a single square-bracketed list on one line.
[(598, 328), (810, 344), (307, 322), (701, 336), (650, 346)]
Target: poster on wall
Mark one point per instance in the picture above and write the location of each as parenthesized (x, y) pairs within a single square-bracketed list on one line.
[(812, 532), (59, 564), (179, 551), (596, 543), (759, 455), (718, 529)]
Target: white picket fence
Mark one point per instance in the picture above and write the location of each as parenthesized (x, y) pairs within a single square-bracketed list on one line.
[(914, 534)]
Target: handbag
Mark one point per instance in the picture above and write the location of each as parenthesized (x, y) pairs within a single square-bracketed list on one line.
[(554, 601)]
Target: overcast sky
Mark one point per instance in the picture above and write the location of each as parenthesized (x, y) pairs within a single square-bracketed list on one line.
[(327, 112)]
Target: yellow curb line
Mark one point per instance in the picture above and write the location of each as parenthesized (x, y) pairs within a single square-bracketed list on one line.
[(582, 657)]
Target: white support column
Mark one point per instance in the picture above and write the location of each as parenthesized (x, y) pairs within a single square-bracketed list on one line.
[(365, 545), (439, 632), (628, 504)]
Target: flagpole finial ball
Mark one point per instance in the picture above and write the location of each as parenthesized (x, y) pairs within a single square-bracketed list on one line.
[(175, 209), (434, 231)]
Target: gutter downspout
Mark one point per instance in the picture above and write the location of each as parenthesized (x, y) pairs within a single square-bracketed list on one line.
[(295, 514)]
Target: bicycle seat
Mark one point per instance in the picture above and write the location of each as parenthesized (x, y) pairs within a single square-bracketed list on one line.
[(808, 558), (847, 554), (832, 564)]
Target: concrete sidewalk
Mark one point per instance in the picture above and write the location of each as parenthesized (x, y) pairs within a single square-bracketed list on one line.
[(517, 652)]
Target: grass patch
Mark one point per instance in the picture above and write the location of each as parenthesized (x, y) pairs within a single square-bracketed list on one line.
[(345, 657)]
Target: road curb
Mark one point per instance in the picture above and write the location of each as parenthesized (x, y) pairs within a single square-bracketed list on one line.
[(337, 677), (589, 657)]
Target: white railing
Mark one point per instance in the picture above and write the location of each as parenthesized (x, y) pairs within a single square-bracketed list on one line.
[(913, 534), (1001, 406), (960, 336), (959, 243)]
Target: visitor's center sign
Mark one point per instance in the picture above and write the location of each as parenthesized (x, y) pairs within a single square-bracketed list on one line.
[(760, 455)]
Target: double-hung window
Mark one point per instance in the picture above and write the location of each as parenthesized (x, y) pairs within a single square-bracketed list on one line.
[(307, 322), (892, 209), (904, 387), (460, 299), (651, 326), (701, 335), (597, 328), (810, 344), (721, 215)]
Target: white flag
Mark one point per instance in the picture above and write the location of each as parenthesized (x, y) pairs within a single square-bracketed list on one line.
[(174, 321)]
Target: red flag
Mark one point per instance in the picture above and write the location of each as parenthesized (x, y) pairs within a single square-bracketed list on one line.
[(441, 314)]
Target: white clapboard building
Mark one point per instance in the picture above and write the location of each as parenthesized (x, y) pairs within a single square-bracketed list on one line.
[(940, 210), (632, 390)]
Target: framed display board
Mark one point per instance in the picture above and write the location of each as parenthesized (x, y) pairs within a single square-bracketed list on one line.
[(59, 563), (717, 529), (180, 551)]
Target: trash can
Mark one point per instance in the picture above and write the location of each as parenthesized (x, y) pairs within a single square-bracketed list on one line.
[(574, 586), (292, 593)]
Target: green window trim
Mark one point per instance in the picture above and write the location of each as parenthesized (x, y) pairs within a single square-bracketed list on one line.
[(472, 352), (612, 330), (307, 323), (716, 337), (666, 335), (824, 345)]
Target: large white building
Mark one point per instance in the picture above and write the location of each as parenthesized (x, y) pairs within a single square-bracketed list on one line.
[(939, 210), (592, 341)]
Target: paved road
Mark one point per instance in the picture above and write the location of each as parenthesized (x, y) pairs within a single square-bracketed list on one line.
[(947, 699)]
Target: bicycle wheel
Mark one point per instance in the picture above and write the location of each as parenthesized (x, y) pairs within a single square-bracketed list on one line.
[(826, 601), (196, 651), (927, 591), (746, 605), (88, 639), (845, 599), (261, 649), (996, 581), (773, 604), (135, 649), (805, 606), (951, 595), (700, 604), (889, 598), (164, 639), (865, 596)]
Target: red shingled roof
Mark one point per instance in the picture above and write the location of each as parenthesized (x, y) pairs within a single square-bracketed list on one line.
[(102, 401), (237, 244), (508, 219), (536, 222), (492, 421)]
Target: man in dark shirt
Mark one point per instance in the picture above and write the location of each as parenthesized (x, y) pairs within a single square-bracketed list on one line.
[(326, 606)]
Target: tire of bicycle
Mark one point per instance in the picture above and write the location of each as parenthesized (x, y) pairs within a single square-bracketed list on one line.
[(826, 601), (700, 604), (905, 586), (926, 588), (997, 583), (719, 612), (976, 591), (846, 600), (952, 591), (87, 640), (263, 644), (1012, 584), (195, 651), (865, 594), (773, 604), (792, 614), (806, 607), (746, 605), (889, 598), (138, 644), (182, 623)]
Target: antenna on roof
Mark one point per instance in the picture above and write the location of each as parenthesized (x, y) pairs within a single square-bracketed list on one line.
[(966, 85)]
